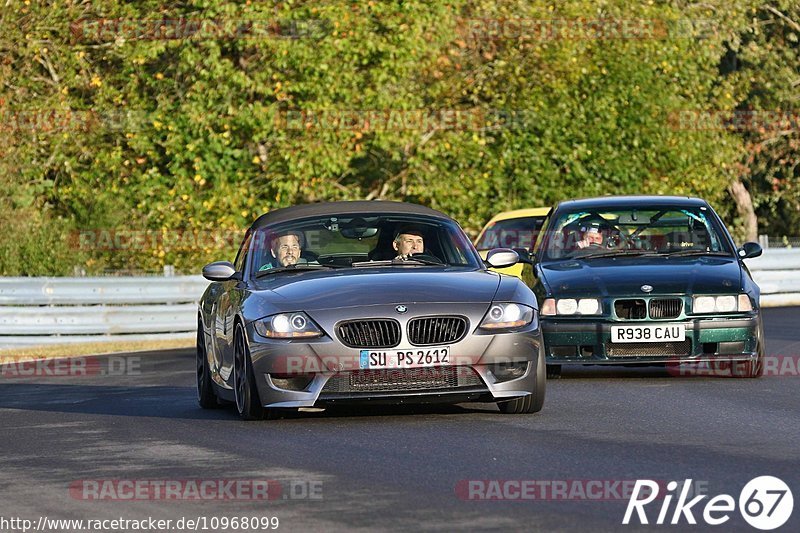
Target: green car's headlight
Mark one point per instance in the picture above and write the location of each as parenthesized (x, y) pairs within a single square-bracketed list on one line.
[(571, 306), (726, 303), (287, 326), (508, 316)]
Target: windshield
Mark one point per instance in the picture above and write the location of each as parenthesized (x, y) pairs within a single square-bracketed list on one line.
[(511, 233), (610, 232), (361, 241)]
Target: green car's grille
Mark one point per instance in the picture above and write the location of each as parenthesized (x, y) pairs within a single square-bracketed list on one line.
[(631, 309), (637, 309), (649, 349), (666, 308)]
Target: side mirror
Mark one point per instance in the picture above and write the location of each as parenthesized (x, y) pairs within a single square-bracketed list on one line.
[(749, 250), (525, 256), (219, 271), (502, 258)]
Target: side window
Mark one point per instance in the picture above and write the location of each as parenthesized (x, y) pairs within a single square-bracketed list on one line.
[(241, 256)]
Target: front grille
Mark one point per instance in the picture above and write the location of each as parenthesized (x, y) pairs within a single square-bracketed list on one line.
[(436, 330), (403, 379), (665, 308), (649, 349), (631, 309), (378, 333)]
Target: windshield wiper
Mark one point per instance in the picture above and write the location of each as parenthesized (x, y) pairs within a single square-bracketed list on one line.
[(683, 253), (397, 262), (616, 253), (295, 268)]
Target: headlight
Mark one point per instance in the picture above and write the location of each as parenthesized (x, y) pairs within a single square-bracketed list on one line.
[(571, 306), (287, 326), (508, 315), (702, 305)]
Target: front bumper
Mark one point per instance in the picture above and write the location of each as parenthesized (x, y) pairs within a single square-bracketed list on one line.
[(588, 341), (326, 372)]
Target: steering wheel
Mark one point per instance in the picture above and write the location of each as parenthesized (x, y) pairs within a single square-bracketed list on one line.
[(426, 257)]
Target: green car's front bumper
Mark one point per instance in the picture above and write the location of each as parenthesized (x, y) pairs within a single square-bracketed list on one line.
[(588, 340)]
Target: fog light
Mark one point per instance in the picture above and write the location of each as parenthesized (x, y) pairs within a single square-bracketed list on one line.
[(291, 382), (508, 371)]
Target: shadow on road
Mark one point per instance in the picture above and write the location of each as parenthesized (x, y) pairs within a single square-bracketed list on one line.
[(179, 403)]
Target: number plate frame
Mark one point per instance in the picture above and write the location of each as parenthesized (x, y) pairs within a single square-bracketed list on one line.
[(648, 333), (404, 358)]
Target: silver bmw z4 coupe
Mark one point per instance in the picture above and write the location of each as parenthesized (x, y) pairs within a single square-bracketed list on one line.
[(365, 302)]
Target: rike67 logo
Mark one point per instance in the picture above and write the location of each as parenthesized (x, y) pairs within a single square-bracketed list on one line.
[(765, 503)]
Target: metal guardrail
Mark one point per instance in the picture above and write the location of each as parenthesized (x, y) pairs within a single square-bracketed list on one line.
[(777, 272), (39, 311), (90, 291)]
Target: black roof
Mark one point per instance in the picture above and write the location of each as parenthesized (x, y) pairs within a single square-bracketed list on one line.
[(631, 201), (360, 207)]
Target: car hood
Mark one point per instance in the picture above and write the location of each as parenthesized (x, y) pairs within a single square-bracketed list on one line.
[(625, 276), (332, 289)]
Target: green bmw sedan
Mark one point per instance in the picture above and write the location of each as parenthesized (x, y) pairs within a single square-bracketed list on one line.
[(645, 279)]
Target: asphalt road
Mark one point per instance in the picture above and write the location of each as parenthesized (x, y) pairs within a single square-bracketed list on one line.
[(135, 419)]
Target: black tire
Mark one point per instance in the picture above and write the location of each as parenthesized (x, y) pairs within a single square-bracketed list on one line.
[(248, 402), (533, 402), (553, 371), (206, 396)]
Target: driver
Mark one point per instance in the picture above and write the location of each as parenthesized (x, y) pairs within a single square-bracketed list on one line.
[(408, 241), (591, 236), (286, 248)]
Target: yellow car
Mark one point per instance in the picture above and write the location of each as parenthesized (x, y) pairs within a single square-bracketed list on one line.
[(512, 229)]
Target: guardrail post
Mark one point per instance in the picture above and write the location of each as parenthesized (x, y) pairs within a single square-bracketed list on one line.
[(169, 271), (763, 240)]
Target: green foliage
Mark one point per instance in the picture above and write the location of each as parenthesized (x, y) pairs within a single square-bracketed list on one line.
[(764, 65), (440, 103)]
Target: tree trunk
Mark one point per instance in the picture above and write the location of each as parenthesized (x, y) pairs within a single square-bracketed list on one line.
[(744, 204)]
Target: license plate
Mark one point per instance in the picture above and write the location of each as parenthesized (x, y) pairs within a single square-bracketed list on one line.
[(411, 358), (648, 333)]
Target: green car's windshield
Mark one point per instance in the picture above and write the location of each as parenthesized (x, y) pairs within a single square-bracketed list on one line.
[(611, 232), (358, 242)]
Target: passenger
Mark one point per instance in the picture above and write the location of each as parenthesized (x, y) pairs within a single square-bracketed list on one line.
[(408, 241)]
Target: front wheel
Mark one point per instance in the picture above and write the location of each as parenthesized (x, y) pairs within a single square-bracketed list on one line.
[(533, 402), (205, 389), (248, 402)]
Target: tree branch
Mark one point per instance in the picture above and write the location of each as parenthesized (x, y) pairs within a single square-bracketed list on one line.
[(783, 17)]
